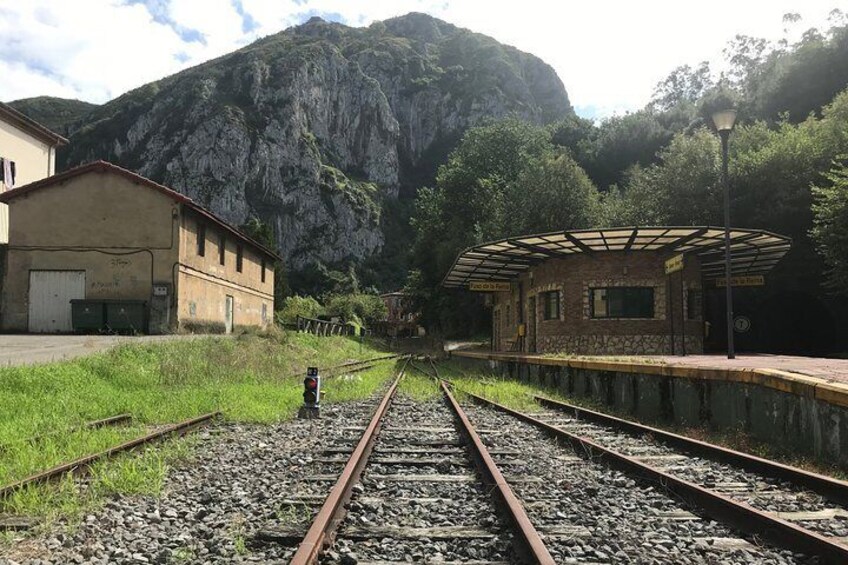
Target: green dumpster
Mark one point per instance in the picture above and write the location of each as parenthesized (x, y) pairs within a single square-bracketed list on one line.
[(88, 315), (126, 315)]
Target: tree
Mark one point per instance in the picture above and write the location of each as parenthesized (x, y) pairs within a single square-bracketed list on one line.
[(830, 225), (683, 84), (505, 178)]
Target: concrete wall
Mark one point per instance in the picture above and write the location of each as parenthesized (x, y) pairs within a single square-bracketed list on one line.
[(576, 331), (786, 411), (34, 160), (204, 282), (123, 235)]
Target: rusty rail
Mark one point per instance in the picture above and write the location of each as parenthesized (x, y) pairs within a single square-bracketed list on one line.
[(110, 421), (743, 517), (332, 512), (85, 462), (826, 486), (532, 548)]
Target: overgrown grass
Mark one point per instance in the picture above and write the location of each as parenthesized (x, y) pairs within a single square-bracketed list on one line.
[(254, 377), (508, 392), (418, 385), (519, 396)]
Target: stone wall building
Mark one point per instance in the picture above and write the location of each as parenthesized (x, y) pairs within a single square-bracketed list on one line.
[(607, 292), (102, 233)]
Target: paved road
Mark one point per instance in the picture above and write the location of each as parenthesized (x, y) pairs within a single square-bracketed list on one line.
[(31, 349)]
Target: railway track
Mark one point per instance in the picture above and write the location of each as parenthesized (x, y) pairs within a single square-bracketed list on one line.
[(418, 484), (82, 464), (790, 508)]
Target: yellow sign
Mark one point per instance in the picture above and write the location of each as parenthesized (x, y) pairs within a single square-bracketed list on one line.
[(750, 280), (674, 264), (482, 286)]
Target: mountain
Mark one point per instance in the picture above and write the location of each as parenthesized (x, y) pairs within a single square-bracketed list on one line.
[(57, 114), (317, 129)]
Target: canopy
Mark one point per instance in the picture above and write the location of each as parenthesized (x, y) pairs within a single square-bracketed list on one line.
[(753, 252)]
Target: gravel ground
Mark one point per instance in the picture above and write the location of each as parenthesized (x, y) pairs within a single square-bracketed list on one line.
[(420, 439), (612, 518), (211, 506), (764, 493)]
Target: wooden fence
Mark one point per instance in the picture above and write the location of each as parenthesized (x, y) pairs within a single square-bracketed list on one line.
[(323, 327)]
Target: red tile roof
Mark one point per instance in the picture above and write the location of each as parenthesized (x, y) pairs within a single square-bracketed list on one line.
[(106, 167)]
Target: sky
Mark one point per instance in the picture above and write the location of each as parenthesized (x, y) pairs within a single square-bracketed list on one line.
[(609, 54)]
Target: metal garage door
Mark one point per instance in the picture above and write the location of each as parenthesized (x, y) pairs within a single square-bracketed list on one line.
[(50, 295)]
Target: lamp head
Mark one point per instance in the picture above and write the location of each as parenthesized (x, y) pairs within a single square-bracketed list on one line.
[(724, 119)]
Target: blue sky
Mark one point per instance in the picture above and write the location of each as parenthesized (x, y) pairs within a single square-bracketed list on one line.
[(609, 53)]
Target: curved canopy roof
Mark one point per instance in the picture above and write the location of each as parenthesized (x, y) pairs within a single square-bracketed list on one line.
[(753, 252)]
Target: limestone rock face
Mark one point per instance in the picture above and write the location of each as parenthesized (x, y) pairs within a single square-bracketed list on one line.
[(314, 129)]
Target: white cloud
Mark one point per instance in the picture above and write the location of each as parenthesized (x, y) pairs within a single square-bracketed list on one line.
[(609, 54)]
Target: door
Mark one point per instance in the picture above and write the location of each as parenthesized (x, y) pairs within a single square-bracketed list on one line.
[(531, 325), (50, 295), (228, 314)]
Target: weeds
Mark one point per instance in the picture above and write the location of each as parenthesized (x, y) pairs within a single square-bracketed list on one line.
[(254, 377)]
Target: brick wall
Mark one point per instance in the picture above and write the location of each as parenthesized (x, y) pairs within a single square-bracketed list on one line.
[(576, 331)]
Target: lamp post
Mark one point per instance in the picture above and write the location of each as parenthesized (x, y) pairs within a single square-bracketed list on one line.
[(724, 120)]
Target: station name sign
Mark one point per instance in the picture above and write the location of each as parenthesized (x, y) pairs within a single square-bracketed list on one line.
[(750, 280), (674, 264), (483, 286)]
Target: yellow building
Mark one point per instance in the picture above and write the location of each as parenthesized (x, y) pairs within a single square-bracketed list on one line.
[(123, 243), (27, 154)]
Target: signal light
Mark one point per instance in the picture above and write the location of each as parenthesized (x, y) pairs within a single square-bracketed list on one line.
[(312, 388)]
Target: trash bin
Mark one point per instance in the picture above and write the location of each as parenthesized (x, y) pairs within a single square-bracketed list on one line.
[(87, 315), (126, 316)]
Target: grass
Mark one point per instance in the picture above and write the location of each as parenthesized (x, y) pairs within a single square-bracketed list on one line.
[(253, 378), (519, 396), (418, 385), (502, 390)]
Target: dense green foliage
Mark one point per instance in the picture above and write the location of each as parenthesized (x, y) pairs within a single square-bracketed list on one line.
[(830, 227), (504, 178), (293, 307)]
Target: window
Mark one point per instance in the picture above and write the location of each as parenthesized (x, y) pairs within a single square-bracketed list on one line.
[(201, 239), (622, 302), (239, 258), (694, 301), (222, 249), (263, 270), (264, 313), (550, 305), (8, 173)]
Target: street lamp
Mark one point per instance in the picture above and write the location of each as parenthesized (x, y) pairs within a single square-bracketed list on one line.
[(724, 120)]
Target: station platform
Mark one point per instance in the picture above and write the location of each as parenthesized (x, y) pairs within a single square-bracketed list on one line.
[(820, 378)]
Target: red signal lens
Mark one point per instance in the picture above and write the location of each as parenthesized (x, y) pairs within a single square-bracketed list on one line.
[(311, 383)]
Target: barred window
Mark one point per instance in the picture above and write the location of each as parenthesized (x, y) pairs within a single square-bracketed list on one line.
[(550, 305)]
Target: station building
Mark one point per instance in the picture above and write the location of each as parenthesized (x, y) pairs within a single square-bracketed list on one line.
[(124, 244), (630, 290), (27, 154)]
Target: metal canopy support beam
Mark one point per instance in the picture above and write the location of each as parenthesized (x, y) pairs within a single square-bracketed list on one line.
[(631, 240), (582, 246), (684, 240), (536, 248), (733, 241)]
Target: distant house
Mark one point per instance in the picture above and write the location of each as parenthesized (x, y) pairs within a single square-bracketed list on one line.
[(128, 247), (27, 154), (401, 319)]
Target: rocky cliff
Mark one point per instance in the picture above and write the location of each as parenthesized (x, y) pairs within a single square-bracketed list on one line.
[(314, 129)]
